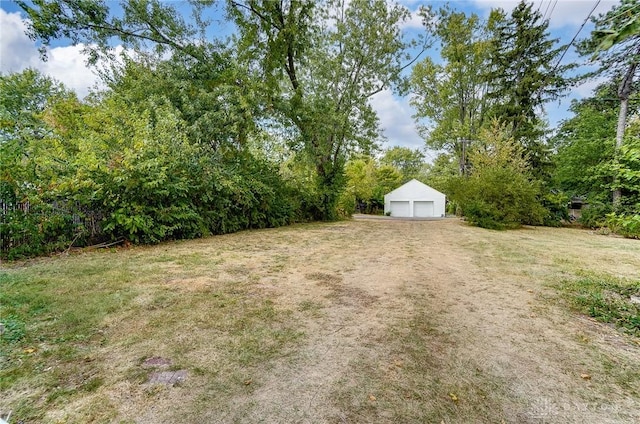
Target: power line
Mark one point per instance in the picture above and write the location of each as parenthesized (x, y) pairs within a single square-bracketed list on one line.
[(546, 10), (552, 9), (577, 33)]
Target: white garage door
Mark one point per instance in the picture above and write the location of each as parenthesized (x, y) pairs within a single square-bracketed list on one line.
[(400, 208), (422, 209)]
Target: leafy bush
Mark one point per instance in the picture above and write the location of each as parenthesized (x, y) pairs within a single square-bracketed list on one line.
[(146, 180), (498, 198), (37, 231), (499, 193), (595, 215), (625, 225), (555, 202), (188, 200)]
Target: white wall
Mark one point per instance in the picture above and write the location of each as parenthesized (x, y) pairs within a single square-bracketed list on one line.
[(412, 191)]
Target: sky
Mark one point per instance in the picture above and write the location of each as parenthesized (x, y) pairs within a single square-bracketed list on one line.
[(66, 63)]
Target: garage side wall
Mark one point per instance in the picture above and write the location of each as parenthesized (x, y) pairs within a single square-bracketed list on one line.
[(415, 199)]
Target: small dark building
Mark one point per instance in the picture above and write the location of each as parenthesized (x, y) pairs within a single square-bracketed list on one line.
[(575, 205)]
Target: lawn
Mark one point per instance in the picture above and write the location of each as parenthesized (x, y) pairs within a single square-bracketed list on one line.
[(380, 321)]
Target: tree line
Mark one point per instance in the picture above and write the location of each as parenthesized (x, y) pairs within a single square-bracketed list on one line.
[(199, 133)]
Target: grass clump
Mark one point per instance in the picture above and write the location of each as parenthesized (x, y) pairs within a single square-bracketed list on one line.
[(606, 299)]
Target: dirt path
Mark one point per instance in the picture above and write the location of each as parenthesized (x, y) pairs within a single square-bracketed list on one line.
[(495, 348)]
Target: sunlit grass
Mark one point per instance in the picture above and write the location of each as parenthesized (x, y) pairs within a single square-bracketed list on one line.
[(65, 318)]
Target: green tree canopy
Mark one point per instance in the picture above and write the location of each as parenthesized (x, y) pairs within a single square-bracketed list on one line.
[(451, 95), (24, 98), (524, 70), (524, 73), (410, 162), (585, 144), (321, 63), (617, 27)]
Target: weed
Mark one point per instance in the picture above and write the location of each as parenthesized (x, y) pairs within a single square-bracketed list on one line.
[(606, 299), (14, 329)]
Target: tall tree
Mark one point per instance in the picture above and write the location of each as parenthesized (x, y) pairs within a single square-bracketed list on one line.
[(218, 102), (585, 146), (410, 162), (147, 25), (451, 95), (318, 63), (201, 76), (322, 62), (24, 97), (619, 27), (524, 73)]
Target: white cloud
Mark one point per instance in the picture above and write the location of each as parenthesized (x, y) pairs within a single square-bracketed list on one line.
[(67, 65), (414, 21), (19, 52), (395, 119)]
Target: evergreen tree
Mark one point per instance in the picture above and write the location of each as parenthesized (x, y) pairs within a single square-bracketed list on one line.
[(524, 73)]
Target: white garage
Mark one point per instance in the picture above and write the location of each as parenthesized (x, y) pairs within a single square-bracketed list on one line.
[(414, 200)]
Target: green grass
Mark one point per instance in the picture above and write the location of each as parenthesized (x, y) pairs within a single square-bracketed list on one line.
[(604, 298), (65, 318)]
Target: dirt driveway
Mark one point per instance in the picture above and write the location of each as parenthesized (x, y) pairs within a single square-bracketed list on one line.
[(441, 322), (364, 321)]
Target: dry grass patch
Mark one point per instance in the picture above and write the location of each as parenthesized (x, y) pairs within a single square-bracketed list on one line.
[(362, 321), (415, 376)]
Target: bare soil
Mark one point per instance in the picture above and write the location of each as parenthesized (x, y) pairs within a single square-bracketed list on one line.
[(400, 321)]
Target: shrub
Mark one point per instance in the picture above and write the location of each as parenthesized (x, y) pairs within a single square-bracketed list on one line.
[(145, 181), (625, 225), (595, 215), (499, 193), (39, 230), (498, 198), (555, 202)]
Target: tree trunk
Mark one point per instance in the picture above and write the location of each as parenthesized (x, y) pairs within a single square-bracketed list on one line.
[(624, 91), (330, 183), (622, 123)]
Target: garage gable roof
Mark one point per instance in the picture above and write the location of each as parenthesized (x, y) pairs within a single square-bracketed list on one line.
[(416, 189)]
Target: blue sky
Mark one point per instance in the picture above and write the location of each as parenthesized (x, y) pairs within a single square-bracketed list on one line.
[(67, 64)]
